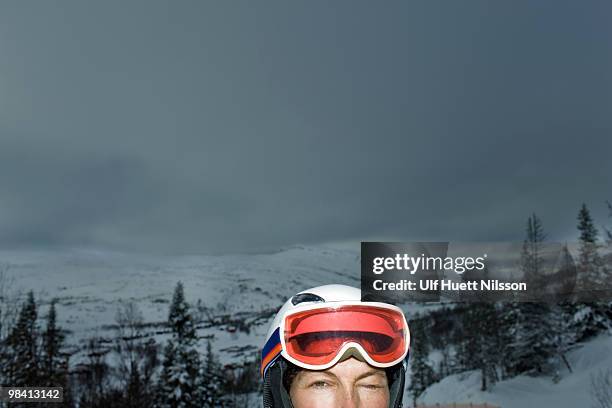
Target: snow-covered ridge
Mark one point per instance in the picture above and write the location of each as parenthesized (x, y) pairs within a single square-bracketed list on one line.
[(89, 285)]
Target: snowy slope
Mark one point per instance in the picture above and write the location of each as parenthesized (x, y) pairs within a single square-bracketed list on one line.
[(572, 391), (90, 284)]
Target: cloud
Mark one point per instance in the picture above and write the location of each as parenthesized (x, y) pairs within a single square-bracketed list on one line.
[(177, 131)]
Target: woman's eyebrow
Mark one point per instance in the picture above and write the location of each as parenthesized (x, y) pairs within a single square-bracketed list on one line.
[(307, 376), (371, 373)]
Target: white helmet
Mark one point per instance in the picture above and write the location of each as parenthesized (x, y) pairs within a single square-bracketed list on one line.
[(318, 327)]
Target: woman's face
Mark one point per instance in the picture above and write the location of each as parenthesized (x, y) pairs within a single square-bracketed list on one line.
[(349, 384)]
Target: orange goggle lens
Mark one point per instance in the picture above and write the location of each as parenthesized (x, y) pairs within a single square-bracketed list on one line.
[(315, 337)]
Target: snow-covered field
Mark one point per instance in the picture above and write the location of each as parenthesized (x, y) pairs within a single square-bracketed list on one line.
[(571, 391), (90, 285)]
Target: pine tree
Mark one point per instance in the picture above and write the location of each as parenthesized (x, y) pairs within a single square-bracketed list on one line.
[(53, 362), (211, 380), (562, 335), (509, 313), (531, 255), (586, 320), (422, 372), (588, 232), (531, 342), (164, 389), (591, 316), (608, 232), (591, 270), (480, 316), (179, 378), (481, 351), (23, 350)]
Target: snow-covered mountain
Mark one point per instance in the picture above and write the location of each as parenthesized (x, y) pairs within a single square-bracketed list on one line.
[(236, 297), (234, 289)]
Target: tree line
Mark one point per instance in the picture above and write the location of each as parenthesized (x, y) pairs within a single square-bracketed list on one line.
[(129, 370), (505, 339)]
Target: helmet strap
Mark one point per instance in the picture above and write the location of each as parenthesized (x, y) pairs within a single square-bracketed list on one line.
[(396, 377), (274, 377)]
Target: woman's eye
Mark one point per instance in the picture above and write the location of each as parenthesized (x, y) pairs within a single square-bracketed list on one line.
[(372, 386), (319, 384)]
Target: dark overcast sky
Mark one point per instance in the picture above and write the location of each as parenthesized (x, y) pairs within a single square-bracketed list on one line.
[(234, 126)]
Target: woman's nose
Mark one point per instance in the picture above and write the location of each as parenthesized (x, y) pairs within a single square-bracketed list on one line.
[(350, 399)]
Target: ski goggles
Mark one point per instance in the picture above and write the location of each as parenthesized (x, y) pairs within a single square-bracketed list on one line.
[(316, 337)]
